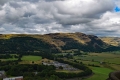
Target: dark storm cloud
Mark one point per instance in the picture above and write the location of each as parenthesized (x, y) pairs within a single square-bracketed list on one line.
[(31, 0), (2, 2)]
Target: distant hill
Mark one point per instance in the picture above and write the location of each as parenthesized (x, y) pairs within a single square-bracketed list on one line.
[(54, 42), (115, 41)]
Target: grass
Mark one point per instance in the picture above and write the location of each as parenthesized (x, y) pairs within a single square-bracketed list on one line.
[(113, 60), (31, 58), (67, 71), (107, 57), (116, 67), (99, 73), (30, 62), (90, 62), (88, 57), (9, 59)]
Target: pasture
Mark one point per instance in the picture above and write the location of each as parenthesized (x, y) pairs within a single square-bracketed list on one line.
[(112, 63), (67, 71), (31, 58), (100, 57), (9, 59), (99, 73)]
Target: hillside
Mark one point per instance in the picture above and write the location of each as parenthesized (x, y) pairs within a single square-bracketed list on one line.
[(55, 42), (115, 41), (67, 41)]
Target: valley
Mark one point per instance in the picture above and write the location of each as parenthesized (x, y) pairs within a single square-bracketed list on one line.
[(61, 56)]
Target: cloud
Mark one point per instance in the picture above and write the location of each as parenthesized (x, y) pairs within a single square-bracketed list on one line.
[(50, 16), (79, 11), (2, 2)]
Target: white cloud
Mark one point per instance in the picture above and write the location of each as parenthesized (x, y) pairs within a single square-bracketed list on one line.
[(48, 16)]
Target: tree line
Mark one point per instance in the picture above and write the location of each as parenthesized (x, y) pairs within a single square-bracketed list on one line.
[(36, 72)]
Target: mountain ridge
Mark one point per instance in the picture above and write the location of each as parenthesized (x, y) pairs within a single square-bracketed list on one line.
[(55, 42)]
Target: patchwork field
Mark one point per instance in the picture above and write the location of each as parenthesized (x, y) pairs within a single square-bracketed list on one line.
[(107, 63), (100, 57)]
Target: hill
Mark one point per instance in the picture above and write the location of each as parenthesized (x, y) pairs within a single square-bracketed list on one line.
[(67, 41), (115, 41), (55, 42)]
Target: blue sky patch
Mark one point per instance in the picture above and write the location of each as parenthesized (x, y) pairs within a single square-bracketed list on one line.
[(117, 9)]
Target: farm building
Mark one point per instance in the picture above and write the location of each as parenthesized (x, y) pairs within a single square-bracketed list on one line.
[(14, 78)]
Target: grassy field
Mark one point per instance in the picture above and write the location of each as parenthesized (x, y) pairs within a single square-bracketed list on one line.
[(111, 58), (24, 58), (31, 58), (114, 60), (99, 73), (9, 59), (66, 71), (89, 62), (112, 63)]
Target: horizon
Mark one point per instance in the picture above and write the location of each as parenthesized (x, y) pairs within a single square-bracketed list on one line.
[(56, 16), (58, 33)]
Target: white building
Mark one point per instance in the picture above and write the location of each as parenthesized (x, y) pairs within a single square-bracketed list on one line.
[(14, 78)]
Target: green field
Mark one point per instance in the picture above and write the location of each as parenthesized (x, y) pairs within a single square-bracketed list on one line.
[(31, 58), (112, 63), (24, 58), (113, 60), (99, 73), (114, 66), (89, 62), (106, 57), (9, 59), (66, 71)]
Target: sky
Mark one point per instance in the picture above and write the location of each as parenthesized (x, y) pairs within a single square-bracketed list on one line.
[(96, 17)]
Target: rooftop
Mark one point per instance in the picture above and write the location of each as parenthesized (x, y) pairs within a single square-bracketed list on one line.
[(14, 78)]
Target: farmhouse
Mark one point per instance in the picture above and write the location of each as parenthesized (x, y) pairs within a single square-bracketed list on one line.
[(14, 78)]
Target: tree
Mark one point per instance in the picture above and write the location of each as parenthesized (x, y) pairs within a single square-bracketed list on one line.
[(19, 59), (32, 62), (92, 60), (60, 67)]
